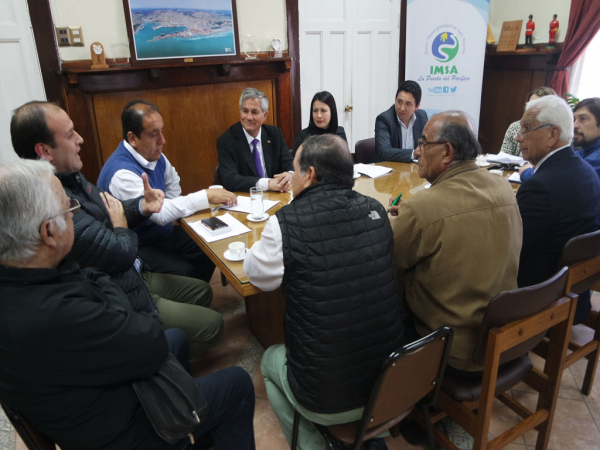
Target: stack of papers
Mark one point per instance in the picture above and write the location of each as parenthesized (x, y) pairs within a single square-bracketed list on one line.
[(505, 158), (243, 205), (515, 178), (371, 171), (236, 228)]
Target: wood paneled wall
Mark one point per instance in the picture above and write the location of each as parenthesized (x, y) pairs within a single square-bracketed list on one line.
[(197, 104), (507, 79)]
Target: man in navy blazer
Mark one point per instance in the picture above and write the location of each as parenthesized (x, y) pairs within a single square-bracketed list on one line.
[(252, 154), (562, 199), (398, 130)]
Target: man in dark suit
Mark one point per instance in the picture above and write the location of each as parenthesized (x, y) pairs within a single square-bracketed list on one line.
[(252, 154), (561, 200), (398, 130)]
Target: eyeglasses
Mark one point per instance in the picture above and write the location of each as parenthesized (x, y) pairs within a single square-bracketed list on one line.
[(423, 143), (521, 134), (74, 207)]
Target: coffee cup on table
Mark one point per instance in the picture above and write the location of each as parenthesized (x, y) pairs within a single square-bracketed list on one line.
[(237, 249)]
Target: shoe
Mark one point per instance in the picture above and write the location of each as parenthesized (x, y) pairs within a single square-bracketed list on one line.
[(375, 444)]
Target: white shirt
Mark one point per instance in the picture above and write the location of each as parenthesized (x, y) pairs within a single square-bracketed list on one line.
[(548, 156), (126, 184), (262, 183), (407, 133), (264, 261)]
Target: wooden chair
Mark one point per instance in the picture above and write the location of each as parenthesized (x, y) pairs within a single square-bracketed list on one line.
[(582, 255), (33, 438), (514, 323), (365, 151), (396, 391)]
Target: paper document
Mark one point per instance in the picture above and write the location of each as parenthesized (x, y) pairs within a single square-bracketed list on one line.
[(371, 171), (243, 205), (505, 158), (236, 226), (515, 178)]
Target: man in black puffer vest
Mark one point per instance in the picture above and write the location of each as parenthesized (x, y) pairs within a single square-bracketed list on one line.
[(331, 251)]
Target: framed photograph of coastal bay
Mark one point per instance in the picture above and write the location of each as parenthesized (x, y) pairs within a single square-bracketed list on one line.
[(178, 31)]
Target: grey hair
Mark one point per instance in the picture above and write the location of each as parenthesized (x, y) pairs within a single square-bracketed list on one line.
[(255, 93), (330, 157), (554, 110), (458, 129), (26, 200)]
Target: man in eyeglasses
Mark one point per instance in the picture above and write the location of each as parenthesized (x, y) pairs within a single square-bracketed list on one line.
[(562, 199), (458, 242), (103, 230)]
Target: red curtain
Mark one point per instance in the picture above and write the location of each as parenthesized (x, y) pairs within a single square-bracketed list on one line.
[(584, 23)]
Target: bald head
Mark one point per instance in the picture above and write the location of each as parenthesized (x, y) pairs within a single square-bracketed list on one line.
[(29, 126)]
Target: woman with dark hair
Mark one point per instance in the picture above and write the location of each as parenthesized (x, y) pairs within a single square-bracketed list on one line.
[(323, 119)]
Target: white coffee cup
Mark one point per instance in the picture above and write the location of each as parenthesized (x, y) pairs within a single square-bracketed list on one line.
[(237, 249), (216, 186)]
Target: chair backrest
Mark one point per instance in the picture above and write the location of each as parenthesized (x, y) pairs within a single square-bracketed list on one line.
[(518, 304), (582, 255), (33, 438), (365, 151), (407, 376), (218, 179)]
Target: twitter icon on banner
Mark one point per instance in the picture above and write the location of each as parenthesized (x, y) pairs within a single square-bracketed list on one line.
[(453, 90)]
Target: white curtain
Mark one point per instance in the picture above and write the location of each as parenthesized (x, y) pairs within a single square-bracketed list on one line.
[(584, 82)]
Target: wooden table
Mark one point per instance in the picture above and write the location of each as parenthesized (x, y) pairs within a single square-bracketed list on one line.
[(266, 309)]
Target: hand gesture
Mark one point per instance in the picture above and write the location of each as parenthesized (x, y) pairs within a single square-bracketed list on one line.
[(394, 209), (115, 210), (218, 196), (153, 198)]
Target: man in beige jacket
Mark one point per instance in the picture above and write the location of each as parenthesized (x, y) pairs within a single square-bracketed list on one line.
[(458, 242)]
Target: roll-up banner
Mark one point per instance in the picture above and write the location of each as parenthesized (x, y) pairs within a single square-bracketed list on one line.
[(445, 51)]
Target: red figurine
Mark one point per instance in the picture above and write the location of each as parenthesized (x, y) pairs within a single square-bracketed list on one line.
[(553, 29), (529, 32)]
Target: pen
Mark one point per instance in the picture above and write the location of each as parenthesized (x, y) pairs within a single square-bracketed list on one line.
[(396, 200)]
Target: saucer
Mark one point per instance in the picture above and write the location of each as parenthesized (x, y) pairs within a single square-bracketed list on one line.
[(228, 256), (265, 216)]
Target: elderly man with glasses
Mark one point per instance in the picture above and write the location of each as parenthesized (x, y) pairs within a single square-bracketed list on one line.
[(458, 242), (562, 199)]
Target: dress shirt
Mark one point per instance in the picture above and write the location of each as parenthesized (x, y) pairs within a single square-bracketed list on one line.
[(264, 261), (262, 183), (126, 184), (407, 133), (548, 156)]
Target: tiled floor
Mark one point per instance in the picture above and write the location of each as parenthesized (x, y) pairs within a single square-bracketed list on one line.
[(576, 424)]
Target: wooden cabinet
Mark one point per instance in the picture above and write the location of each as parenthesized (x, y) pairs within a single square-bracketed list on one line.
[(197, 102)]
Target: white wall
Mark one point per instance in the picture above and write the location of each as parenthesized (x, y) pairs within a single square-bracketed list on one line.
[(104, 21), (542, 10)]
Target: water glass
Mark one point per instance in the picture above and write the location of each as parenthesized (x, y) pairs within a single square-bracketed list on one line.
[(256, 203), (214, 208)]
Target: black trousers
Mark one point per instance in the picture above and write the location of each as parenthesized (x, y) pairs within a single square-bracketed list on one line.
[(178, 254)]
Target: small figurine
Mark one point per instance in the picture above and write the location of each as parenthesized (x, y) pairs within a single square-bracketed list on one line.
[(553, 30), (529, 32)]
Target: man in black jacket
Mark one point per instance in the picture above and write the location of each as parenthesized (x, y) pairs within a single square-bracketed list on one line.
[(331, 251), (252, 154), (70, 344), (104, 238)]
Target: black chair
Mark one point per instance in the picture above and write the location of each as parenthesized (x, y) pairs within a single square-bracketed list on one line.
[(218, 179), (33, 438), (514, 323), (365, 151), (396, 392)]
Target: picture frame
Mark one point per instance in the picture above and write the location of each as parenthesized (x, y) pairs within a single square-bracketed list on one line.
[(163, 32)]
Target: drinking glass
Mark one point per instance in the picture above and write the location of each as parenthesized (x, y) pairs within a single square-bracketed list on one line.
[(256, 203)]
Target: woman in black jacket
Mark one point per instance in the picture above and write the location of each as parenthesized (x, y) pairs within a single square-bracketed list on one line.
[(323, 119)]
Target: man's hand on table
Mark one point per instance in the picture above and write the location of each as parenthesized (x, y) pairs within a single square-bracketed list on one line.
[(282, 182), (394, 209), (217, 196), (525, 167), (153, 198)]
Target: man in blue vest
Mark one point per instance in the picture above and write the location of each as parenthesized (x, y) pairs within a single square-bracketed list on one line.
[(104, 238), (331, 251), (167, 249)]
